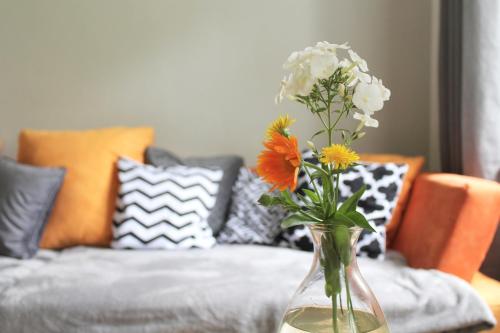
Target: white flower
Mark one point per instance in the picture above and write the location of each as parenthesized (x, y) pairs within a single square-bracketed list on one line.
[(282, 93), (295, 59), (323, 65), (366, 119), (386, 93), (332, 47), (300, 82), (368, 97), (356, 74), (358, 60), (308, 66)]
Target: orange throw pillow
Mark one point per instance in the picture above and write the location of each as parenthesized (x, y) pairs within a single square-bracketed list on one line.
[(415, 164), (82, 214), (449, 223)]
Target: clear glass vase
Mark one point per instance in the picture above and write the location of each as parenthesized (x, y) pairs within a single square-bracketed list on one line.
[(334, 297)]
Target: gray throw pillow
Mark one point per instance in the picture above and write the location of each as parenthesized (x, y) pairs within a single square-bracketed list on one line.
[(249, 222), (230, 165), (27, 195)]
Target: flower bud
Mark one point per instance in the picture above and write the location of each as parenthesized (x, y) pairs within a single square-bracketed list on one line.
[(311, 145), (360, 126), (341, 90)]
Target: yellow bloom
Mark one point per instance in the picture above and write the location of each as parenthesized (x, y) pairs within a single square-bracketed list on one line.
[(339, 155), (280, 126)]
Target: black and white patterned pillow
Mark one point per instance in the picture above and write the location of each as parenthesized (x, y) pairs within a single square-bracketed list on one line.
[(164, 208), (249, 222), (383, 183)]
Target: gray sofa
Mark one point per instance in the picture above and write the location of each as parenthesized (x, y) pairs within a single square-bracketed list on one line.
[(230, 288)]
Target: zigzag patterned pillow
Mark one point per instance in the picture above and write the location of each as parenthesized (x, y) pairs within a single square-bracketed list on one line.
[(164, 208)]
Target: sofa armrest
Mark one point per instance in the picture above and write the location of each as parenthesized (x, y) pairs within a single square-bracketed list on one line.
[(449, 223), (489, 290)]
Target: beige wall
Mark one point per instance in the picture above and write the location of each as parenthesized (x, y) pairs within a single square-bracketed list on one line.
[(203, 73)]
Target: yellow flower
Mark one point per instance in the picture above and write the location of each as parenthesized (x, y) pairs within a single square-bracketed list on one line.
[(339, 155), (280, 126)]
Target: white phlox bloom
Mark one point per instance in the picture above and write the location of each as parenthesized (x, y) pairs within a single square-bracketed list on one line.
[(366, 119), (282, 93), (386, 93), (368, 97), (355, 73), (323, 65), (358, 60), (300, 82), (332, 47), (308, 66)]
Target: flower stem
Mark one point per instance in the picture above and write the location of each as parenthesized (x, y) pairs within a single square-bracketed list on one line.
[(334, 314), (350, 309)]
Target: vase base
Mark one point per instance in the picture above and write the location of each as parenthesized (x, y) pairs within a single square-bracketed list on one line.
[(312, 319)]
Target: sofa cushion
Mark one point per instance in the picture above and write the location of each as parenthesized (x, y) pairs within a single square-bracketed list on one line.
[(489, 290), (383, 183), (164, 208), (26, 197), (82, 214), (415, 164), (248, 221), (229, 289), (230, 165), (450, 223)]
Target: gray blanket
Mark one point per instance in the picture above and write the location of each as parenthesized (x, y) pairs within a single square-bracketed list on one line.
[(225, 289)]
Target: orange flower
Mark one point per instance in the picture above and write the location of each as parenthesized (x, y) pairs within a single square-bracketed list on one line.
[(279, 164)]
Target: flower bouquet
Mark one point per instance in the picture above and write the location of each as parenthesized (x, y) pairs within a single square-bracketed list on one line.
[(334, 296)]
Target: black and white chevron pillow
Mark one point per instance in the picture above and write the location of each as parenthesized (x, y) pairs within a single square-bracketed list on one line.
[(383, 183), (248, 221), (164, 208)]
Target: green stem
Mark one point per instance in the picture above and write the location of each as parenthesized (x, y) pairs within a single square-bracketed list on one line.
[(336, 192), (322, 121), (330, 128), (315, 188), (334, 314), (350, 308), (313, 218), (340, 304)]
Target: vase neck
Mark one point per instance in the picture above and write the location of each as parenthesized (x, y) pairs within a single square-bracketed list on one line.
[(339, 238)]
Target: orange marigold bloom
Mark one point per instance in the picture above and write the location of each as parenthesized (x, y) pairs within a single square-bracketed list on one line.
[(279, 164)]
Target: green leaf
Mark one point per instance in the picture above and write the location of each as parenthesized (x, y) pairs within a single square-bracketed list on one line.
[(295, 219), (288, 199), (331, 265), (317, 133), (312, 195), (360, 220), (343, 243), (342, 219), (302, 198), (319, 110), (316, 174), (352, 202), (315, 167)]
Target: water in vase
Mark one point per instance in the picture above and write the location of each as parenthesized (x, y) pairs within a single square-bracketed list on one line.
[(319, 320)]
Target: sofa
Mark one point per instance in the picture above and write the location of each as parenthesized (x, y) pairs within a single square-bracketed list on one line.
[(428, 282)]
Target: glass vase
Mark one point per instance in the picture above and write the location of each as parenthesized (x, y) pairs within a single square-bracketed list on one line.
[(334, 297)]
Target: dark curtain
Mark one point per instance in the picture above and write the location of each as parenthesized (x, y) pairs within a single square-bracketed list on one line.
[(450, 86), (470, 96)]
